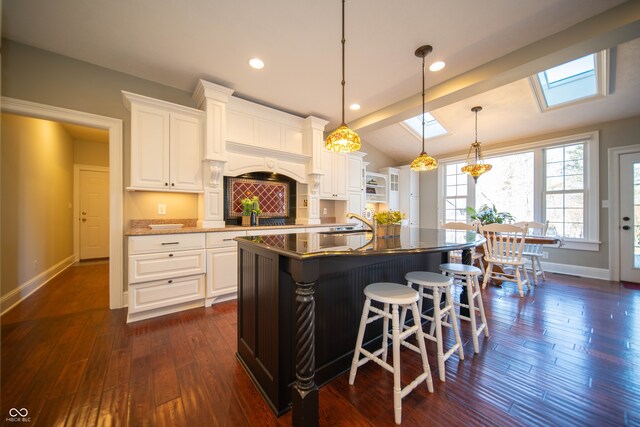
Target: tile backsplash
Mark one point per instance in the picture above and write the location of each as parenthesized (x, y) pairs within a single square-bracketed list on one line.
[(273, 196)]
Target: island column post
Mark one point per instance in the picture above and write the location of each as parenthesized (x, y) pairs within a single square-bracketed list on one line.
[(304, 405)]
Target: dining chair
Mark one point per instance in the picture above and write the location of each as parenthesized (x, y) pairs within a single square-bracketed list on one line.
[(503, 247), (456, 256), (533, 251)]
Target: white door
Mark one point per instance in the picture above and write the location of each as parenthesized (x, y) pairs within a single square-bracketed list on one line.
[(94, 214), (630, 217)]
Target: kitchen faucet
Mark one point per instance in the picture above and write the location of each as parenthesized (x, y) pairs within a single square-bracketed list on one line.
[(371, 225)]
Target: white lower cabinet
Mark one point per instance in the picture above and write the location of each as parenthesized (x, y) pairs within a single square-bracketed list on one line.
[(173, 272), (166, 274), (143, 268), (222, 266), (162, 294), (222, 276)]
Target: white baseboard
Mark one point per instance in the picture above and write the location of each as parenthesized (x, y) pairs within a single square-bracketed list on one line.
[(577, 270), (10, 300)]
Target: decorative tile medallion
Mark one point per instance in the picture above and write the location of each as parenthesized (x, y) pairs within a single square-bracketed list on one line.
[(273, 196)]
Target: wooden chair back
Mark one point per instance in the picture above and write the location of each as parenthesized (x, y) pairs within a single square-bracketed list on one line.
[(458, 226), (534, 229), (504, 242)]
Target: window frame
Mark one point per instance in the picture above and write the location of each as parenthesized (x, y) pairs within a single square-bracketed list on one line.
[(601, 62), (591, 241), (418, 135)]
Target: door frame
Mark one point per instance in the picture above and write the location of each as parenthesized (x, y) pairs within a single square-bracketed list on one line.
[(76, 203), (116, 197), (614, 207)]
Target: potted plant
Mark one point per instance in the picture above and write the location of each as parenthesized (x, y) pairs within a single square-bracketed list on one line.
[(489, 215), (388, 223), (250, 211)]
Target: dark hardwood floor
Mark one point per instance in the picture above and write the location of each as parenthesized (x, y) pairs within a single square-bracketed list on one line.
[(565, 355)]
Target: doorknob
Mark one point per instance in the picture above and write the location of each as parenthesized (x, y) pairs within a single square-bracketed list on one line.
[(84, 213), (84, 219), (626, 227), (626, 218)]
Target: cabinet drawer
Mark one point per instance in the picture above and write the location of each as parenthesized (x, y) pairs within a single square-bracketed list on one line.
[(163, 293), (223, 238), (166, 265), (165, 243)]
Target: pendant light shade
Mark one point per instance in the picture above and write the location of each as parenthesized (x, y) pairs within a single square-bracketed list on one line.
[(423, 162), (343, 139), (475, 163)]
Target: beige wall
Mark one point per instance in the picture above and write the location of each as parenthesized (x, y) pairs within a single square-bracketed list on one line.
[(36, 75), (91, 153), (618, 133), (376, 158), (37, 195), (144, 205)]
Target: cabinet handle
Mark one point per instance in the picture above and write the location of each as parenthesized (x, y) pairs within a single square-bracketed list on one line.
[(170, 243), (170, 255), (170, 281)]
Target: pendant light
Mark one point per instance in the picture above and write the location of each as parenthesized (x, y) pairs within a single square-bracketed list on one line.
[(343, 139), (476, 166), (423, 162)]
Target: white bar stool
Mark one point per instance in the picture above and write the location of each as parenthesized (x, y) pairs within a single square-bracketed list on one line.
[(394, 294), (474, 296), (439, 285)]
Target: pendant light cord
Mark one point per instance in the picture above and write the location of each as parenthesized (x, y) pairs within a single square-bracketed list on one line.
[(423, 70), (476, 125), (343, 42)]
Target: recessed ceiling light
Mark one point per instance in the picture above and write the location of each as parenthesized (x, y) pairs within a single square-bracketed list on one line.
[(256, 63), (437, 66), (354, 106)]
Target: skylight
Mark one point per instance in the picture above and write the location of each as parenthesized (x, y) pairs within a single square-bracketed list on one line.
[(432, 127), (573, 81)]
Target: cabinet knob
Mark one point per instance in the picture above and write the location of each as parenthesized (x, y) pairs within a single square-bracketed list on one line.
[(626, 227), (170, 255), (169, 281), (166, 184), (626, 218)]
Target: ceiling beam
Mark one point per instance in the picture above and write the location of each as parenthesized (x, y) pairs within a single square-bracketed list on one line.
[(606, 30)]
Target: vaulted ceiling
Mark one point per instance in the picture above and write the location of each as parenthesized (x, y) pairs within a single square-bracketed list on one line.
[(489, 47)]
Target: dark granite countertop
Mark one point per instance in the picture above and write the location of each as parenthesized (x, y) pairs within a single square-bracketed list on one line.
[(410, 240)]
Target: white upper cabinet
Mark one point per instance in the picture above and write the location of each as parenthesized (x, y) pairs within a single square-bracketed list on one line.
[(333, 184), (376, 184), (166, 145), (393, 192), (356, 176)]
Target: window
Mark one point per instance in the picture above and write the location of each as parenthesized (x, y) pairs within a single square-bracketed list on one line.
[(555, 180), (576, 80), (509, 185), (455, 193), (432, 127), (564, 189)]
